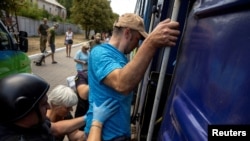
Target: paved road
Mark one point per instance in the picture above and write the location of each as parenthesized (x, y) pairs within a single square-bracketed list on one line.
[(56, 74)]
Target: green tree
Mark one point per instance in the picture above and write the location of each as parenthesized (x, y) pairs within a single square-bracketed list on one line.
[(94, 15), (67, 4), (23, 8), (32, 11), (8, 7)]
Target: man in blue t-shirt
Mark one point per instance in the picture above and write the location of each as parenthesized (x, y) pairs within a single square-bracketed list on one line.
[(112, 75)]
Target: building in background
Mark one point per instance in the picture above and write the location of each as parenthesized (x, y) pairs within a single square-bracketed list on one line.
[(53, 7)]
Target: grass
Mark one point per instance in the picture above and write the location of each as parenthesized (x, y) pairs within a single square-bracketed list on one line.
[(34, 43)]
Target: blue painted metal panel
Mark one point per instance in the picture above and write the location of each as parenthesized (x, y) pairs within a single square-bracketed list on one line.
[(211, 80)]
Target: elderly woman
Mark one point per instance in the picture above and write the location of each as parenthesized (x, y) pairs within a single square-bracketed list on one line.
[(61, 100)]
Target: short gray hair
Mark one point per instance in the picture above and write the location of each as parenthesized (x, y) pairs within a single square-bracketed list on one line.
[(62, 95)]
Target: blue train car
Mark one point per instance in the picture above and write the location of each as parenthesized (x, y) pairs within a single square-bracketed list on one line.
[(208, 85), (211, 80), (152, 90)]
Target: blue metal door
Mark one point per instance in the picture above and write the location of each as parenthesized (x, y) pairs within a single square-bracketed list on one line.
[(212, 74)]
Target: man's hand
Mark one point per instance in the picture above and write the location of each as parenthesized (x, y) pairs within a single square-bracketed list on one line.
[(164, 34)]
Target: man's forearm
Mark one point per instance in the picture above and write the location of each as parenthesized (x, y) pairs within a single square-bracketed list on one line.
[(95, 133), (124, 80), (67, 126), (134, 71)]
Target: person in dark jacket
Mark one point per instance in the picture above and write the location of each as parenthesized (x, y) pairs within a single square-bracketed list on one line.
[(42, 31), (24, 103)]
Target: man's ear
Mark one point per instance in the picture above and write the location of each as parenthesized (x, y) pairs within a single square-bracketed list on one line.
[(127, 33)]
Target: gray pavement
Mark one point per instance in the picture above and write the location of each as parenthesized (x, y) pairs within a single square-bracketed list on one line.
[(56, 74)]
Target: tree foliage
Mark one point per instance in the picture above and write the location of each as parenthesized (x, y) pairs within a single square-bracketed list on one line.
[(32, 11), (67, 4), (24, 8), (94, 15), (9, 7)]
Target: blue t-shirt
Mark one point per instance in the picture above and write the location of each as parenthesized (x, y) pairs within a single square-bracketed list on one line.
[(83, 57), (103, 60)]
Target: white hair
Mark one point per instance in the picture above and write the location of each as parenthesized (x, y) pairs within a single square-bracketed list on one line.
[(62, 95)]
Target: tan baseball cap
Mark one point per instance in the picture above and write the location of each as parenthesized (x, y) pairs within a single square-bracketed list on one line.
[(132, 21)]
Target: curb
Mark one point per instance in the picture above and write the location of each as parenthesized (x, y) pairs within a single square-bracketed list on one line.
[(58, 49)]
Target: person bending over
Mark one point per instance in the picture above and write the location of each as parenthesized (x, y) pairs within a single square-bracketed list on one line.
[(61, 100)]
